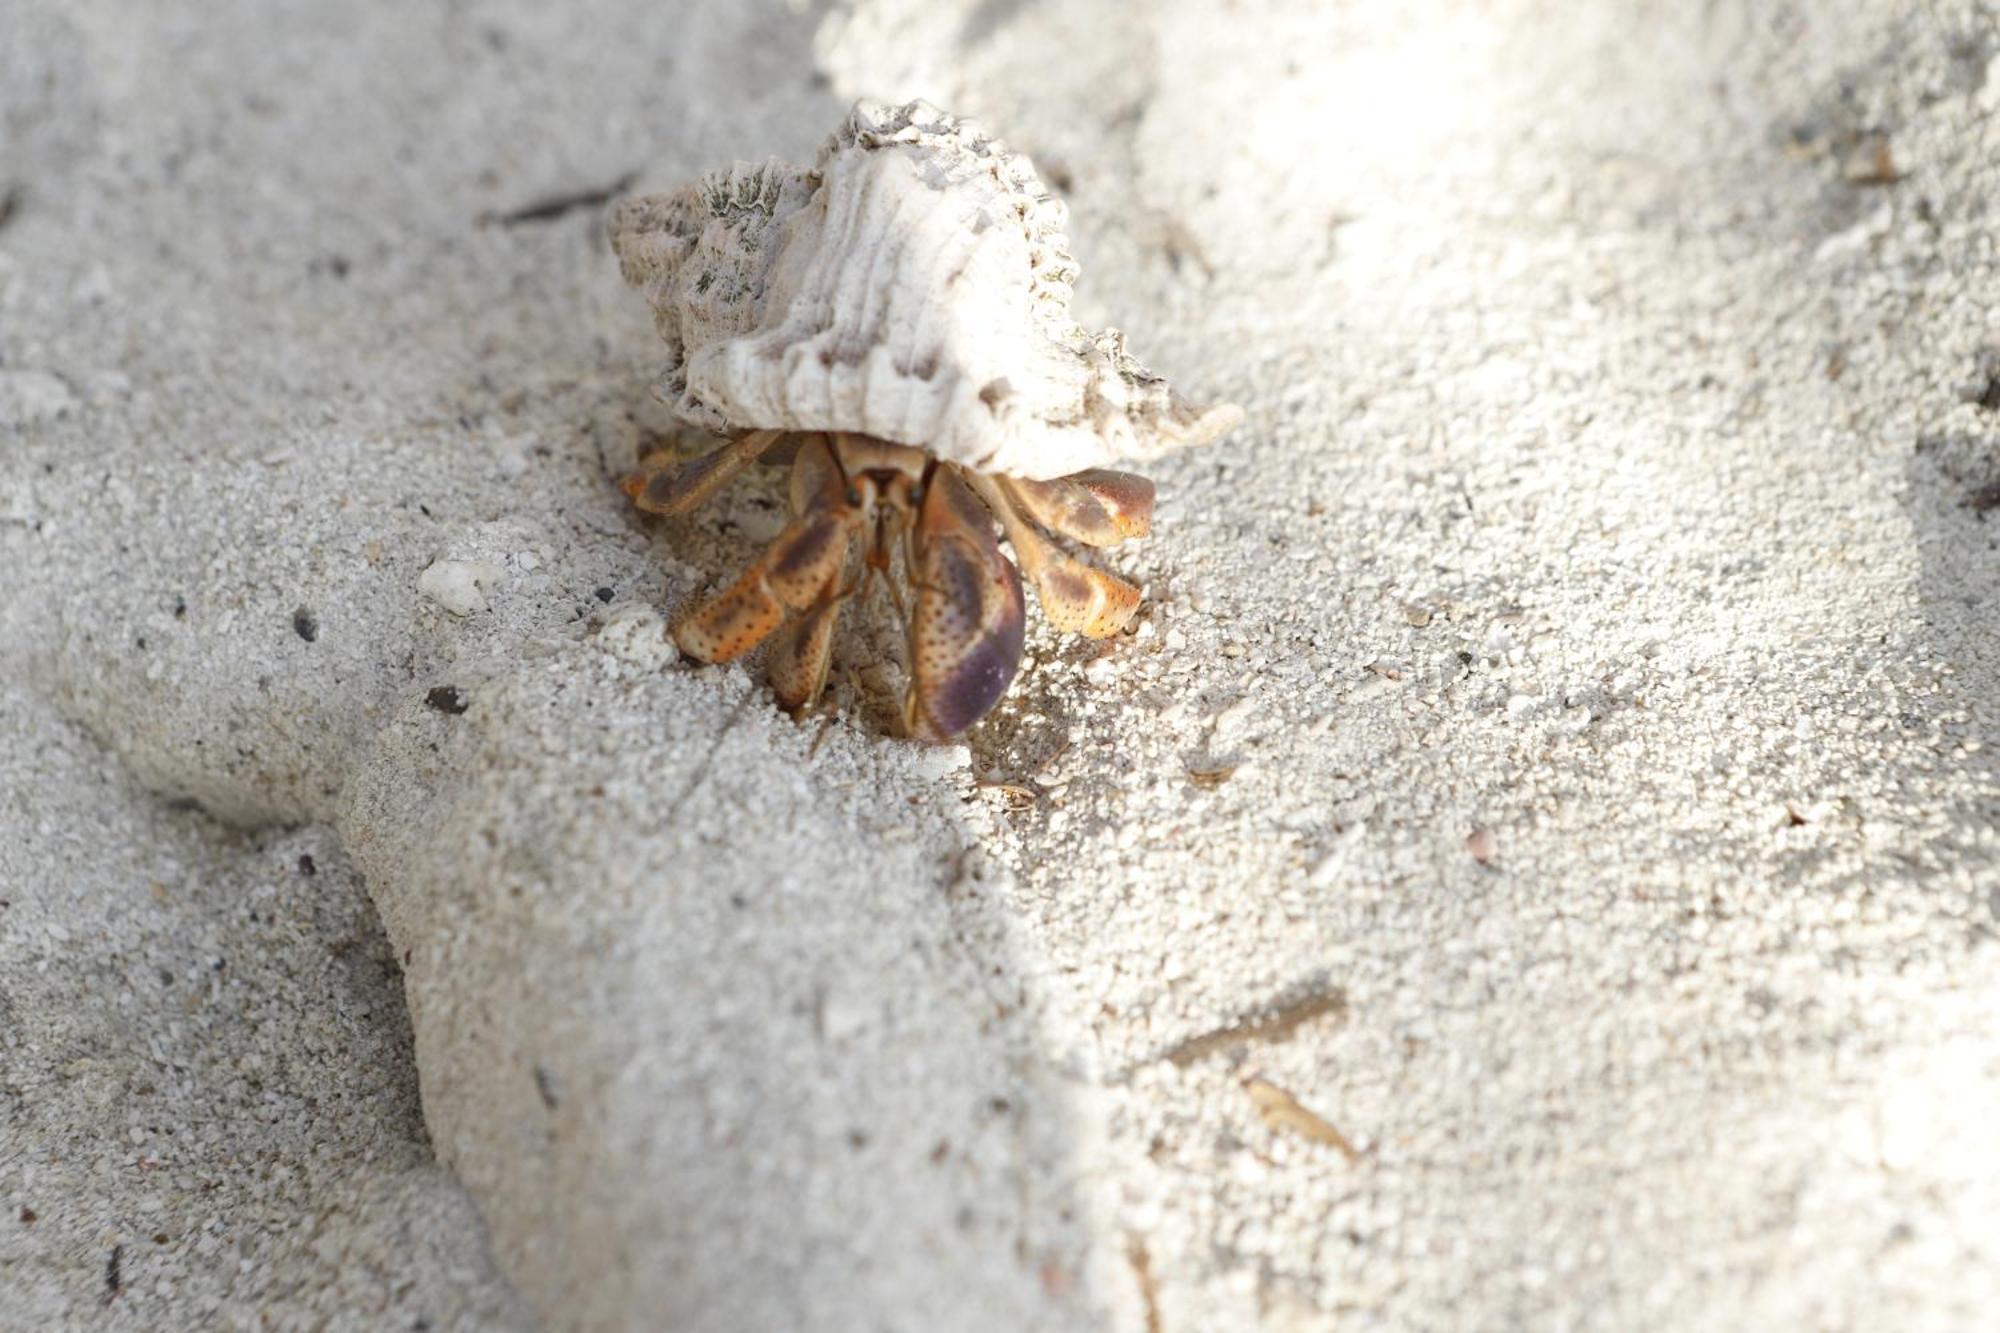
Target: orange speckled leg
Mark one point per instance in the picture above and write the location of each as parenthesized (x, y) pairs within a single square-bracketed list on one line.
[(798, 661), (1074, 596), (1097, 507), (799, 569), (666, 485)]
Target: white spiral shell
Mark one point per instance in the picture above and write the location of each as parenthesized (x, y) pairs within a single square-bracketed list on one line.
[(914, 285)]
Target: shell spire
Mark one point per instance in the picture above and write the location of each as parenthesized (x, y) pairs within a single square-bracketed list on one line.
[(913, 285)]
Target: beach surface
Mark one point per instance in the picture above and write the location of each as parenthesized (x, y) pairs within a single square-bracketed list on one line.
[(1535, 863)]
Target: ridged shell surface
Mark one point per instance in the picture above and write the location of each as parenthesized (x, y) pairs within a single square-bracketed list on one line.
[(913, 285)]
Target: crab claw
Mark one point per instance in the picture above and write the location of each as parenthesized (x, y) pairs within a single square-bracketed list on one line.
[(1126, 496), (1074, 596), (1097, 507), (967, 629)]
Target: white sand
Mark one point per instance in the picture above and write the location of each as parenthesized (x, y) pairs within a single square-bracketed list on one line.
[(1566, 703)]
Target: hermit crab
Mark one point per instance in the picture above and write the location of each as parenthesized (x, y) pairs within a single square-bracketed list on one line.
[(897, 320)]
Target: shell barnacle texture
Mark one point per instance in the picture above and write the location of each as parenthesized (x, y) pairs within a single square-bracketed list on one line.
[(897, 319)]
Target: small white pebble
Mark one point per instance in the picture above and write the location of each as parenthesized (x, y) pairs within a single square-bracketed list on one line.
[(841, 1016), (459, 586), (1234, 716), (759, 524), (935, 762), (510, 456), (1369, 685), (635, 633)]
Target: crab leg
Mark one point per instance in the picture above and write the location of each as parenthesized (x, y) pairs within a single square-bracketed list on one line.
[(796, 572), (676, 487), (966, 631), (799, 656), (1074, 596), (1097, 507)]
